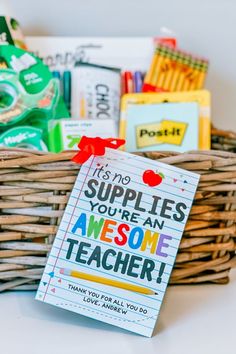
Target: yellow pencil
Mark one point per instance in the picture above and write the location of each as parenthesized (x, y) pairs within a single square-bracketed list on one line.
[(82, 114), (189, 78), (164, 66), (165, 71), (159, 58), (171, 72), (195, 74), (202, 75), (105, 281), (156, 73), (185, 59), (181, 77), (185, 83), (151, 71), (177, 72)]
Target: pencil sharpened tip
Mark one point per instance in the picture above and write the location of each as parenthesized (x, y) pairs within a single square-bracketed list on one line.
[(155, 293)]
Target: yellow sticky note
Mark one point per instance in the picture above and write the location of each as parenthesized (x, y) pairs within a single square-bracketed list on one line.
[(164, 132), (201, 97)]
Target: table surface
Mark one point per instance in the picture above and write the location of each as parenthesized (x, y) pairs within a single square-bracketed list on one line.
[(193, 320)]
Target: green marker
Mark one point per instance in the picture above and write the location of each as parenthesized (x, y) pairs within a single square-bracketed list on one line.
[(66, 80)]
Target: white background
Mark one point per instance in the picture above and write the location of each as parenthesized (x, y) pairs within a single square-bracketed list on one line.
[(193, 320), (204, 27)]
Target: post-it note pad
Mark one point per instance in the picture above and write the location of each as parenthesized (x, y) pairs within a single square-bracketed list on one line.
[(117, 242), (165, 126), (201, 97)]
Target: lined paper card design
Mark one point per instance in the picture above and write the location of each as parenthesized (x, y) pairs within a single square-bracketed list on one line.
[(117, 242)]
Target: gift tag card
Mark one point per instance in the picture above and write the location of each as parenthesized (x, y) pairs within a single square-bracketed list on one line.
[(117, 242)]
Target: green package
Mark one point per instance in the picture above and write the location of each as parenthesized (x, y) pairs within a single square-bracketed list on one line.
[(29, 95), (66, 134), (23, 137)]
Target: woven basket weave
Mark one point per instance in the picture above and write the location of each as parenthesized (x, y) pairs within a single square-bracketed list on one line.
[(34, 189), (223, 140)]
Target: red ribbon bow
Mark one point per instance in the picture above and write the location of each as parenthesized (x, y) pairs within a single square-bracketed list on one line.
[(95, 146)]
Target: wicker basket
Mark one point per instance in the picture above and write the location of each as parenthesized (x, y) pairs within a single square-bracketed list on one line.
[(34, 190), (223, 140)]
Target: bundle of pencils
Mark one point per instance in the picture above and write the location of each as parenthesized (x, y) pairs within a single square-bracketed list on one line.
[(173, 70)]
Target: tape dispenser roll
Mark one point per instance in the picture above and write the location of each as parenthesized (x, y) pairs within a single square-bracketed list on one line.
[(16, 104), (27, 88)]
